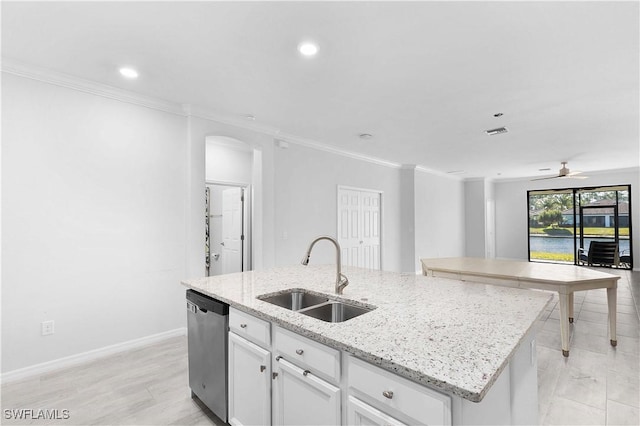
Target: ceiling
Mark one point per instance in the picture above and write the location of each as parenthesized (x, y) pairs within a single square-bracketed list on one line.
[(424, 78)]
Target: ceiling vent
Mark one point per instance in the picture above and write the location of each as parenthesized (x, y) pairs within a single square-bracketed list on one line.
[(496, 131)]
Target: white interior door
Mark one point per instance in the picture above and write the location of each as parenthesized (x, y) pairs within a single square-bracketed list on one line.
[(370, 234), (232, 230), (359, 227), (349, 225)]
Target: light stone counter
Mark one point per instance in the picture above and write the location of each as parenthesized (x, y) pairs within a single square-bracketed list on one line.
[(452, 336)]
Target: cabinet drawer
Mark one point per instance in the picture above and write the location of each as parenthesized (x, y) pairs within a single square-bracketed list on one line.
[(318, 358), (384, 389), (250, 327)]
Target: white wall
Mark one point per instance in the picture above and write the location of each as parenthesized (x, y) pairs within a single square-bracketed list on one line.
[(408, 255), (511, 209), (306, 182), (440, 220), (475, 218), (226, 163), (93, 221)]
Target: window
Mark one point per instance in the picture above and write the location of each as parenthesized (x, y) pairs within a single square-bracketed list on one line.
[(563, 223)]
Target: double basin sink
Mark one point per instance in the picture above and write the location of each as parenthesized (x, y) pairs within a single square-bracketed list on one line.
[(316, 305)]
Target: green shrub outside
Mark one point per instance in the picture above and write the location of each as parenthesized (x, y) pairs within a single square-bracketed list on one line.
[(557, 257)]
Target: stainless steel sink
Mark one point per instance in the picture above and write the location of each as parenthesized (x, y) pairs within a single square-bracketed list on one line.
[(334, 311), (316, 305), (294, 299)]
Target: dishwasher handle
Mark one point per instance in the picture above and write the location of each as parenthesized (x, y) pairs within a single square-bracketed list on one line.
[(206, 304)]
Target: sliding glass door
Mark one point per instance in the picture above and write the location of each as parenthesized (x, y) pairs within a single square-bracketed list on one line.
[(563, 224)]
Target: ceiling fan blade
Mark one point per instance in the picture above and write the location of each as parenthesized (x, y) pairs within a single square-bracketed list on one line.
[(573, 176), (548, 177)]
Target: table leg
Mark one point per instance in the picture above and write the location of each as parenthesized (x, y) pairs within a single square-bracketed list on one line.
[(571, 317), (612, 296), (564, 322)]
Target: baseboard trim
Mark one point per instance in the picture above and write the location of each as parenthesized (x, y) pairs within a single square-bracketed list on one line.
[(69, 361)]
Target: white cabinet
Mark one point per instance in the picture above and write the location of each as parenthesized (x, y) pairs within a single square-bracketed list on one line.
[(399, 399), (249, 385), (322, 360), (306, 381), (360, 413), (251, 328), (302, 398)]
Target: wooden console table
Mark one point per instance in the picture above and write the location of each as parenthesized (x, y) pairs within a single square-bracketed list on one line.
[(565, 279)]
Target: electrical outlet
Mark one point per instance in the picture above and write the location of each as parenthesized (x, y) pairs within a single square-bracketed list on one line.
[(47, 328)]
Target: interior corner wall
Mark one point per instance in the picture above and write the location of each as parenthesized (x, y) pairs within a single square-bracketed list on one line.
[(306, 202), (512, 214), (440, 229), (93, 221), (408, 257), (474, 202)]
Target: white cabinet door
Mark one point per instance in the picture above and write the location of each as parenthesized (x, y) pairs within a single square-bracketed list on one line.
[(300, 398), (360, 413), (249, 383)]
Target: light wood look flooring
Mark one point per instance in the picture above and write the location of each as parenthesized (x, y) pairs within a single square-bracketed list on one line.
[(597, 384)]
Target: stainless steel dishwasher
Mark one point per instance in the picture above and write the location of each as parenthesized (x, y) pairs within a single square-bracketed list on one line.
[(207, 324)]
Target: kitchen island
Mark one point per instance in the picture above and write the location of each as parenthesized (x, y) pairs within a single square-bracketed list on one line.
[(460, 339)]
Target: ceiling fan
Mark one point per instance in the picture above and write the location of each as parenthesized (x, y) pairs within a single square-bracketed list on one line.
[(564, 172)]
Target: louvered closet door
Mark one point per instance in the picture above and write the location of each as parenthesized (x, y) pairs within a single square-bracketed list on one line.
[(359, 227)]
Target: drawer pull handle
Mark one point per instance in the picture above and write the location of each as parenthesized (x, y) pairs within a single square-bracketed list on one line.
[(387, 394), (279, 357), (299, 351), (274, 375), (243, 325), (305, 372), (262, 368)]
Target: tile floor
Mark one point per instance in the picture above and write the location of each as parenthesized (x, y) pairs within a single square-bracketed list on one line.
[(597, 384)]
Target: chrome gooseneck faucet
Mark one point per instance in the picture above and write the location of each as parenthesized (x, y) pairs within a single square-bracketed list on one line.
[(341, 280)]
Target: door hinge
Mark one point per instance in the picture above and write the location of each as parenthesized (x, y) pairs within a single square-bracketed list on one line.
[(241, 237)]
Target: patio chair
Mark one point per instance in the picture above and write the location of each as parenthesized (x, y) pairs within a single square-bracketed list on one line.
[(601, 253)]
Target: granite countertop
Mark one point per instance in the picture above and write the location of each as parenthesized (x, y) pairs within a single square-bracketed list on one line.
[(449, 335)]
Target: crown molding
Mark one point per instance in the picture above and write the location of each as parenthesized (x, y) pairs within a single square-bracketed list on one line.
[(45, 75), (64, 80), (333, 150), (438, 173), (229, 119), (241, 122)]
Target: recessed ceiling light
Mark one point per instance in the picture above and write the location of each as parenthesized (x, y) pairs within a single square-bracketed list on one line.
[(365, 136), (128, 72), (308, 48)]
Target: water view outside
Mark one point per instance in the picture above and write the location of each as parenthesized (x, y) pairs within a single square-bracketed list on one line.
[(564, 245), (553, 219)]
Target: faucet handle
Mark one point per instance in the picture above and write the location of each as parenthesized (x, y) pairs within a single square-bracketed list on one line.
[(344, 281)]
